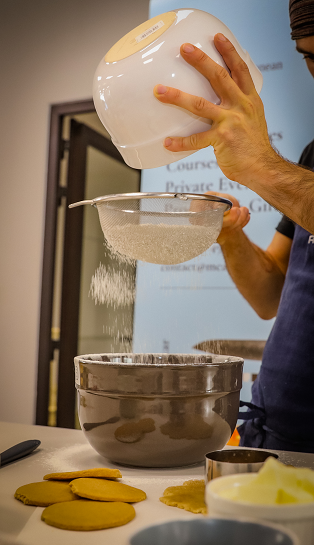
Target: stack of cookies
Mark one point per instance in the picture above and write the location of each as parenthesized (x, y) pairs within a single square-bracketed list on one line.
[(91, 499)]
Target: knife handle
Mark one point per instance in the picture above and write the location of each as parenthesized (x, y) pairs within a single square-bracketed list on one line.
[(18, 451)]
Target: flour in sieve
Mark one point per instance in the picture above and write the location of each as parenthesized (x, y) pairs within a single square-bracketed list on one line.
[(161, 244)]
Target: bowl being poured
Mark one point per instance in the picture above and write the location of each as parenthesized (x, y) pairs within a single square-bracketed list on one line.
[(150, 54)]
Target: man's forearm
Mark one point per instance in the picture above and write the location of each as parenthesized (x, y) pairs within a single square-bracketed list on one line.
[(255, 274), (287, 187)]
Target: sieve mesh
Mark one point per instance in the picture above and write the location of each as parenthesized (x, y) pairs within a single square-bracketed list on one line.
[(162, 228)]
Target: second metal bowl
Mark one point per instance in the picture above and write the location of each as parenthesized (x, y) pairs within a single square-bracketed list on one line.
[(231, 461)]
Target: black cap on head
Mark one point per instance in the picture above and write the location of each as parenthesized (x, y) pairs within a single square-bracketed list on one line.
[(301, 18)]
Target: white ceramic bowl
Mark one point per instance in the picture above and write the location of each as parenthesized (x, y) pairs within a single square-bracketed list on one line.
[(150, 54), (296, 517)]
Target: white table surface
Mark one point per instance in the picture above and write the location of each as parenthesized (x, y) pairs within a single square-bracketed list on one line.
[(68, 450)]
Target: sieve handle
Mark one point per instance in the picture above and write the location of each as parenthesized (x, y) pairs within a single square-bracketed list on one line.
[(73, 205)]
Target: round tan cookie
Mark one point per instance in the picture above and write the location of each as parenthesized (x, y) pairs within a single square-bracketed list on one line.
[(99, 472), (45, 493), (102, 490), (189, 496), (88, 515)]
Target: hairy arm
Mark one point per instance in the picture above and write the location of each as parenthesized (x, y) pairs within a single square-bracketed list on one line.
[(258, 274), (239, 134), (287, 187)]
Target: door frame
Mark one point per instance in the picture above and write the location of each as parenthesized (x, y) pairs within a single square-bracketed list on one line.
[(55, 153), (46, 345)]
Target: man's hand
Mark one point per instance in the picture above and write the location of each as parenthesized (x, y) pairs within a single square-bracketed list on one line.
[(239, 132), (234, 219)]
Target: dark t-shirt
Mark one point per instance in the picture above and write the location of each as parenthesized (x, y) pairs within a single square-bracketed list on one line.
[(284, 388), (286, 227)]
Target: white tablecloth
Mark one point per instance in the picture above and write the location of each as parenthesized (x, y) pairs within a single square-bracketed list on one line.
[(66, 450)]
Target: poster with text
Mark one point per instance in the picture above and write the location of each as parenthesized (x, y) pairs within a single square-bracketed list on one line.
[(179, 306)]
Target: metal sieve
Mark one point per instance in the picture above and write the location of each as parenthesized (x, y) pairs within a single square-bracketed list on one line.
[(163, 228)]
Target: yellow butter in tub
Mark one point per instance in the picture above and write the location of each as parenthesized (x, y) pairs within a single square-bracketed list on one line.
[(275, 483)]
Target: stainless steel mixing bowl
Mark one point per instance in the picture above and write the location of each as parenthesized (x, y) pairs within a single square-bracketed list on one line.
[(157, 410)]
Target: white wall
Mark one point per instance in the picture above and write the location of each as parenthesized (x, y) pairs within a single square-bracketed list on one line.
[(49, 53)]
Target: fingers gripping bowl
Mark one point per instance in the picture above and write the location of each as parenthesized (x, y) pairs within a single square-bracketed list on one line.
[(157, 410), (150, 54)]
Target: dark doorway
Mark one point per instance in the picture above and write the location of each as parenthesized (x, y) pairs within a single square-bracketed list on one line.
[(83, 164)]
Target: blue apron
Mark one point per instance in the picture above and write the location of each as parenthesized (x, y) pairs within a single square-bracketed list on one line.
[(281, 415)]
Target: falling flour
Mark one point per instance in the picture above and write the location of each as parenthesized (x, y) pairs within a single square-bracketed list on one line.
[(161, 244), (114, 284), (112, 287)]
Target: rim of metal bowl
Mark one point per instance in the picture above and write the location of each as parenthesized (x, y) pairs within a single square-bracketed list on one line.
[(151, 359)]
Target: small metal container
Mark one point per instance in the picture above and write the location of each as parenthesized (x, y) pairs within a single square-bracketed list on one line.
[(157, 410), (231, 461)]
